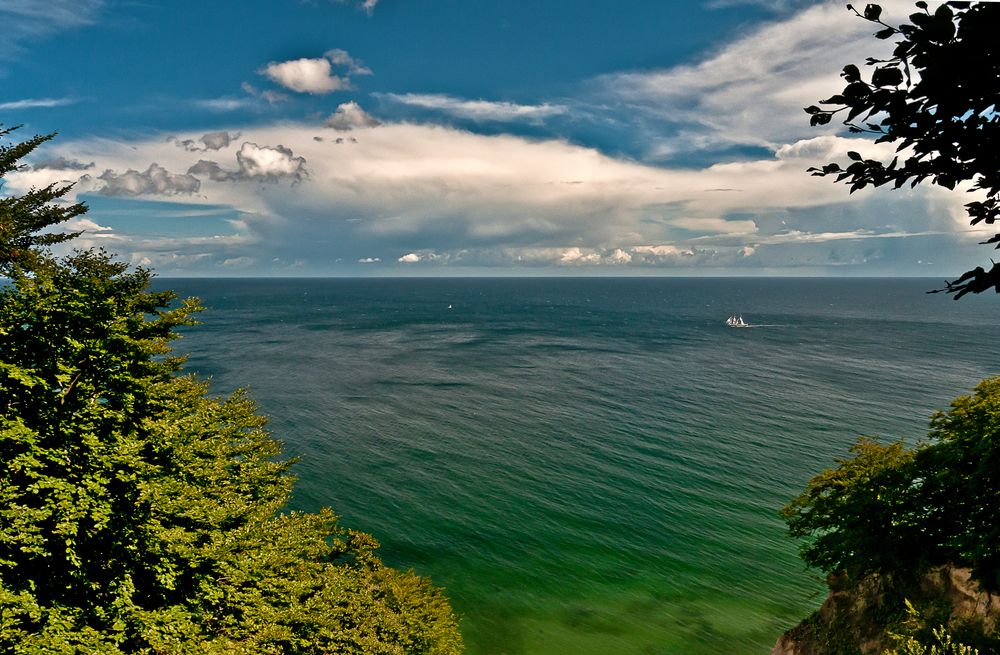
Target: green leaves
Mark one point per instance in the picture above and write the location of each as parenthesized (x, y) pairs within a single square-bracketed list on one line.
[(138, 514), (854, 511), (22, 218), (892, 509)]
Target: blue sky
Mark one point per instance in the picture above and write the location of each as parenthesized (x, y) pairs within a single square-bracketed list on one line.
[(442, 137)]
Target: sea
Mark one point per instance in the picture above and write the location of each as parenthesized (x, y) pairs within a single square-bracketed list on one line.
[(589, 465)]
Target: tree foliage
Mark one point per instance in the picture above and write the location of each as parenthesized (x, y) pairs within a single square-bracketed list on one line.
[(936, 99), (898, 510), (138, 514), (22, 217), (940, 641)]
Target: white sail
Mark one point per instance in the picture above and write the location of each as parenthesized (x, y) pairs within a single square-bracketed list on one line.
[(736, 320)]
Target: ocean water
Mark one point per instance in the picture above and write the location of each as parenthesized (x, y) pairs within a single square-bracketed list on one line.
[(589, 466)]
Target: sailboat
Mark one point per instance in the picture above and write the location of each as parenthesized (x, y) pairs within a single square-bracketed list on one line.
[(737, 321)]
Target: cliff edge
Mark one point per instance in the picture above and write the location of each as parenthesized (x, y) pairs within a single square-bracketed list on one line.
[(859, 616)]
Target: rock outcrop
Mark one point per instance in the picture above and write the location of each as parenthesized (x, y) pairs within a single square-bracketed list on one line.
[(857, 616)]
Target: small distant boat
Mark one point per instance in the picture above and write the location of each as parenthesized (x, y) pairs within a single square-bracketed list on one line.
[(737, 321)]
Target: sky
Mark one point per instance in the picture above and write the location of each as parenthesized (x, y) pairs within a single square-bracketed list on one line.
[(463, 137)]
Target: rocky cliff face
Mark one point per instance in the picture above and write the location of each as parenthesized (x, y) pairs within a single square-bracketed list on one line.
[(857, 616)]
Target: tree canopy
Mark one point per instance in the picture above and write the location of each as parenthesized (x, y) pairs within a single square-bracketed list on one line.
[(22, 217), (936, 98), (893, 509), (139, 514)]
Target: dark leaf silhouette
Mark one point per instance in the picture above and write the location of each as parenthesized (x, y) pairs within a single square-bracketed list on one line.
[(936, 100)]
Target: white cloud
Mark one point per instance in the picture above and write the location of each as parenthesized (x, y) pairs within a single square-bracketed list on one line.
[(576, 255), (305, 75), (37, 103), (369, 260), (752, 90), (269, 162), (350, 115), (82, 223), (223, 104), (155, 180), (619, 256), (29, 19), (477, 110), (262, 163), (445, 196), (314, 76)]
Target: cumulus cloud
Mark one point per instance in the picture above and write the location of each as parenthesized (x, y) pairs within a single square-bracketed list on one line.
[(211, 170), (350, 115), (218, 140), (155, 180), (315, 76), (269, 162), (409, 258), (619, 256), (370, 260), (576, 255), (254, 162), (209, 141), (477, 110), (305, 75)]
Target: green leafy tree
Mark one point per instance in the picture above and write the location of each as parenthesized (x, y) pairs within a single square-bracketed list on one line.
[(138, 514), (936, 99), (21, 218), (897, 510), (858, 514)]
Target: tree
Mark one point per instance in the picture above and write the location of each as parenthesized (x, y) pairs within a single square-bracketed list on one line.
[(22, 217), (896, 510), (856, 515), (936, 98), (138, 514)]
